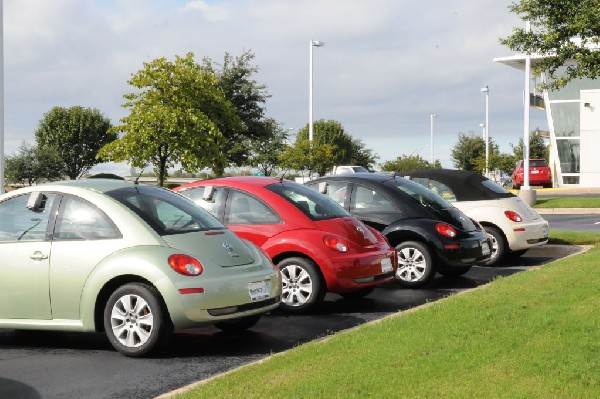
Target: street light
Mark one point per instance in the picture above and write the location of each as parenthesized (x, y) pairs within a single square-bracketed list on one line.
[(486, 137), (1, 100), (431, 117), (313, 43)]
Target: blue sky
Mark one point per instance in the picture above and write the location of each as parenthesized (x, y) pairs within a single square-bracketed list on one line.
[(385, 67)]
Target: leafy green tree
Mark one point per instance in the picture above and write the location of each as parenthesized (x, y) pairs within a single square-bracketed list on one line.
[(409, 162), (266, 150), (76, 134), (176, 116), (361, 155), (331, 146), (303, 156), (30, 165), (248, 97), (563, 30), (466, 151), (537, 147)]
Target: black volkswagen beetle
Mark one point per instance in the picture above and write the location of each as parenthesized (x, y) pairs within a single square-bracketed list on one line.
[(429, 233)]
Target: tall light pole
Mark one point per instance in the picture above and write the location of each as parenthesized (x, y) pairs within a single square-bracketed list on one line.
[(526, 93), (313, 43), (431, 120), (486, 135), (1, 98)]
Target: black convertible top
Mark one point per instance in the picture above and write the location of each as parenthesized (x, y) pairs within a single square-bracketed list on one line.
[(466, 186)]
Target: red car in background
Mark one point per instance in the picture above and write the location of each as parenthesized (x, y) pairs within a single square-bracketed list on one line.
[(315, 243), (539, 174)]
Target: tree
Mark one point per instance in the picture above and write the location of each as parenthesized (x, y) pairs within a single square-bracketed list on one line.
[(563, 31), (537, 147), (303, 156), (362, 156), (409, 162), (175, 117), (331, 146), (248, 98), (466, 151), (76, 134), (30, 165), (265, 151)]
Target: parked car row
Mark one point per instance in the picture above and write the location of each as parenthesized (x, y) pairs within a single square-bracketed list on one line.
[(512, 224), (138, 261)]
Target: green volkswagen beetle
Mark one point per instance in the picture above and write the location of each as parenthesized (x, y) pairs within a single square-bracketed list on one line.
[(132, 260)]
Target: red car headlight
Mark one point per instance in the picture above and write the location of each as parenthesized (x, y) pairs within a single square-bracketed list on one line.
[(185, 264), (336, 244)]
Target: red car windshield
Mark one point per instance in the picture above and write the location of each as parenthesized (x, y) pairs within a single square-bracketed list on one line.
[(313, 204)]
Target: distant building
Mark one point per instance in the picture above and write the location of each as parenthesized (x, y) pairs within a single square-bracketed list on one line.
[(573, 114)]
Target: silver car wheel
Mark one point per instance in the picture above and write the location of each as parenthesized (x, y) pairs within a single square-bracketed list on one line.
[(132, 321), (297, 285), (494, 248), (412, 264)]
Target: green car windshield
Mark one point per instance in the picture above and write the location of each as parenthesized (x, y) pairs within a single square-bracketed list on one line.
[(166, 212)]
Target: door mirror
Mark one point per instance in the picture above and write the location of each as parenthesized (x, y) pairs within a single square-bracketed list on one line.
[(323, 187), (36, 202), (209, 193)]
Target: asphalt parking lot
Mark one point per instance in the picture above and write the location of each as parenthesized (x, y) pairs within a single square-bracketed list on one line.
[(59, 365)]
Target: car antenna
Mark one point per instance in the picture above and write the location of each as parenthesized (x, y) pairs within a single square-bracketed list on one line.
[(137, 179), (280, 176)]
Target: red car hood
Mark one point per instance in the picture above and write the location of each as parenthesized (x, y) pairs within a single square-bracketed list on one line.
[(349, 228)]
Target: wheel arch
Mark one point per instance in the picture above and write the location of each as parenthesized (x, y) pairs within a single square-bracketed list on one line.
[(110, 286)]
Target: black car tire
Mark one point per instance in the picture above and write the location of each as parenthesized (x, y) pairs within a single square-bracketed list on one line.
[(361, 293), (498, 246), (415, 264), (303, 287), (237, 325), (126, 322)]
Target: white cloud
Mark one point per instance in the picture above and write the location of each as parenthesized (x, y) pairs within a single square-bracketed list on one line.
[(386, 65)]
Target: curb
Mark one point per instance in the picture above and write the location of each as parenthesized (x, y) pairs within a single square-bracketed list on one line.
[(567, 211)]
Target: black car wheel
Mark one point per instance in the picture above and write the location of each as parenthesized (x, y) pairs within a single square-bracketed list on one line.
[(238, 324), (498, 246), (415, 266), (302, 286), (135, 320)]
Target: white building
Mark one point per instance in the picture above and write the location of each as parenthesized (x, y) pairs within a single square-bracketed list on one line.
[(573, 114)]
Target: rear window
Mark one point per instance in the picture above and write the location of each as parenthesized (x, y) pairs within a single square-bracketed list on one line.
[(538, 162), (424, 196), (313, 204), (166, 212)]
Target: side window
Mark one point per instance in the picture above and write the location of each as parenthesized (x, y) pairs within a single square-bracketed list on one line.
[(243, 208), (336, 190), (212, 205), (367, 200), (17, 223), (80, 220), (436, 187)]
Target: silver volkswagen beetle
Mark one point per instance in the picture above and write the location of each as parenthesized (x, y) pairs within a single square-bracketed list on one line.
[(132, 260)]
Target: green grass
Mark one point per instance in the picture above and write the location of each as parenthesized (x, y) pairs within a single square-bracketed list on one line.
[(530, 335), (567, 202)]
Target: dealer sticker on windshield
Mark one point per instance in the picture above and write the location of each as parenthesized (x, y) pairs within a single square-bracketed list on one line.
[(485, 248), (258, 291), (386, 265)]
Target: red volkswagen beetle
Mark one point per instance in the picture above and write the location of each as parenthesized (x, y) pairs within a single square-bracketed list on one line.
[(316, 244)]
